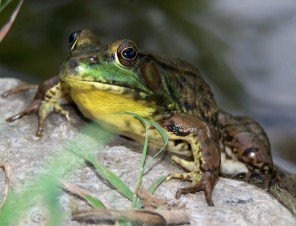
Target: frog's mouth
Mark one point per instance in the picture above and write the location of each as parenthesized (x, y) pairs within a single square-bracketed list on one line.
[(81, 84), (103, 76)]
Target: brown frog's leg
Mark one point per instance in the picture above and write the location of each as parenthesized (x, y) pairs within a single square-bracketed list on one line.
[(245, 141), (203, 143), (48, 98)]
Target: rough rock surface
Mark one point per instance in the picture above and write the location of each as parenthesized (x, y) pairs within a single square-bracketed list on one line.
[(236, 202)]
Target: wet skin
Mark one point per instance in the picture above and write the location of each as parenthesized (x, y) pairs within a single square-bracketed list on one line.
[(103, 79)]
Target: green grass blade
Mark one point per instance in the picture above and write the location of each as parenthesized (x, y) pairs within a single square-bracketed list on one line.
[(43, 187), (7, 26), (85, 154), (125, 223), (136, 203), (143, 156), (51, 201), (4, 3), (152, 189), (75, 190), (143, 159), (156, 183), (93, 201), (163, 134), (108, 175)]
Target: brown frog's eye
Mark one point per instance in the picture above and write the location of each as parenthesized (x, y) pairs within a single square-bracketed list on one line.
[(73, 39), (127, 54)]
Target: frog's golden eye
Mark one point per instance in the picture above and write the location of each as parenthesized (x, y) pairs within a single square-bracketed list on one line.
[(73, 39), (127, 53)]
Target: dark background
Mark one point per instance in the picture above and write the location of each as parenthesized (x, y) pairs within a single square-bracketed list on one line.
[(245, 50)]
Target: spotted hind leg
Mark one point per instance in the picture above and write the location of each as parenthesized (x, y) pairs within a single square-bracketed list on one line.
[(246, 143), (203, 169)]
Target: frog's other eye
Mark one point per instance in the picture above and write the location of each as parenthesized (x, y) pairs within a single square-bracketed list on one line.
[(73, 39), (127, 54)]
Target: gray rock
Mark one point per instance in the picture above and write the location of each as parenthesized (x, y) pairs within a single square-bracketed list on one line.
[(236, 202)]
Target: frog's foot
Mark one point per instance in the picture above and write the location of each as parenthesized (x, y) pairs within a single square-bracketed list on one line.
[(32, 108), (45, 109), (247, 177), (202, 180), (266, 181), (48, 98), (206, 184)]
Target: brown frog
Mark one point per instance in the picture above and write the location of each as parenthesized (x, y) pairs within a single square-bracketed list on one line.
[(105, 79)]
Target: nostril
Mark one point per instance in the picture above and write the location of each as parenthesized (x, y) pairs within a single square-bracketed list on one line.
[(73, 64), (93, 59)]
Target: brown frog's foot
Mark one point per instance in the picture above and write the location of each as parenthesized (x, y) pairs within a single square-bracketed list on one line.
[(45, 109), (48, 98), (266, 180), (206, 184), (32, 108), (204, 180), (247, 177)]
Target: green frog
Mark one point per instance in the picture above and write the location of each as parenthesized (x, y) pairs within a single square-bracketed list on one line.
[(106, 79)]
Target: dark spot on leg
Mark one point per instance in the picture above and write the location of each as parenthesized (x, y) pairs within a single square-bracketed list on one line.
[(177, 129), (177, 142)]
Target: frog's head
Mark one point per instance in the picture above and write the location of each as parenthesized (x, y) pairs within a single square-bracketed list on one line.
[(117, 67)]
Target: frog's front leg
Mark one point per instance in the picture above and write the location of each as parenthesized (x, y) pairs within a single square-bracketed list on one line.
[(203, 143), (245, 145), (48, 98)]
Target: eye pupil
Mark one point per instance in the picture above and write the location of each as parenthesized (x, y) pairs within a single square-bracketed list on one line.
[(129, 53)]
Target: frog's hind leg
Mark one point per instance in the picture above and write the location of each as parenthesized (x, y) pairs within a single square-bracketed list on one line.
[(203, 143), (245, 142)]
